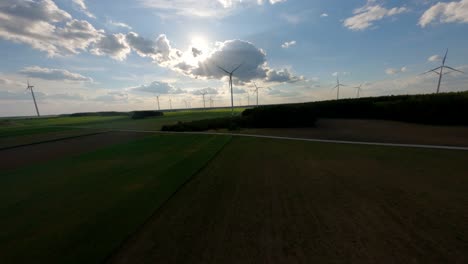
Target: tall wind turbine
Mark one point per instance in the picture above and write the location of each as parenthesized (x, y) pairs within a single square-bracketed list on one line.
[(440, 71), (170, 103), (157, 97), (230, 83), (256, 90), (338, 85), (30, 87), (359, 89)]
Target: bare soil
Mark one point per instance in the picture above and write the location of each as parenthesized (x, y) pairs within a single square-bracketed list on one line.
[(375, 131), (32, 154), (274, 201)]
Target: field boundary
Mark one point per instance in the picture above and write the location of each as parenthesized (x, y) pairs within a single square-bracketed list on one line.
[(304, 139), (318, 140), (142, 226), (53, 140)]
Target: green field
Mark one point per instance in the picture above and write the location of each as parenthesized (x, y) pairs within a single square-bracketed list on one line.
[(25, 131), (79, 209), (249, 200)]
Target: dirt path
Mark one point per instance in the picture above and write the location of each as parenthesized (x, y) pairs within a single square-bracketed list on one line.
[(375, 131), (273, 201), (27, 155)]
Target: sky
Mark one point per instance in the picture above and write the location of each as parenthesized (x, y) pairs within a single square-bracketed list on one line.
[(89, 55)]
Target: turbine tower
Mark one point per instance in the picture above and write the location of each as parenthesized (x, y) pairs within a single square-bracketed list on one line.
[(157, 97), (256, 90), (338, 85), (30, 87), (359, 89), (230, 83), (203, 94), (211, 102), (440, 71), (170, 103)]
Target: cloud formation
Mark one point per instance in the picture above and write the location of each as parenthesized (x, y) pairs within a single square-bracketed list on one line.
[(451, 12), (204, 8), (365, 17), (53, 74), (393, 71), (288, 44), (434, 58), (80, 4), (158, 87), (113, 45), (45, 27)]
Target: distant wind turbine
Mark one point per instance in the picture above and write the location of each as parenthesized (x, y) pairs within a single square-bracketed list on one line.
[(337, 87), (359, 90), (230, 83), (170, 103), (440, 71), (157, 97), (203, 94), (30, 87), (211, 102), (256, 90)]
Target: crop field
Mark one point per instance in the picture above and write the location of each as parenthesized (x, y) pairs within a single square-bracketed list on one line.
[(72, 190), (276, 201), (27, 131), (78, 209)]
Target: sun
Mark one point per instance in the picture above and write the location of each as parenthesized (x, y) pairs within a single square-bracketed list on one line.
[(200, 43), (199, 50)]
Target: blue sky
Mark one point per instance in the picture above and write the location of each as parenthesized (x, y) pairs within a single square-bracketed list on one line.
[(84, 55)]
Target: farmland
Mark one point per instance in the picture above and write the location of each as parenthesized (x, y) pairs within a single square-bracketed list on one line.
[(79, 190), (319, 203), (79, 208)]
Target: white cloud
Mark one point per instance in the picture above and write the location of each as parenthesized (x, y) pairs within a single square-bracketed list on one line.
[(451, 12), (53, 74), (201, 8), (288, 44), (393, 71), (324, 15), (45, 27), (80, 4), (434, 58), (158, 87), (209, 90), (112, 23), (364, 17), (230, 54)]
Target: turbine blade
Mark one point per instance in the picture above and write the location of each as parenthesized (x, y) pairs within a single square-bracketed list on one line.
[(453, 69), (236, 68), (433, 70), (223, 69), (445, 57)]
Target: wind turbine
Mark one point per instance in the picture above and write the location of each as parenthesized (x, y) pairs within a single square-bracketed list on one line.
[(157, 98), (30, 87), (170, 103), (203, 94), (230, 83), (211, 102), (359, 89), (338, 85), (440, 71), (256, 90)]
